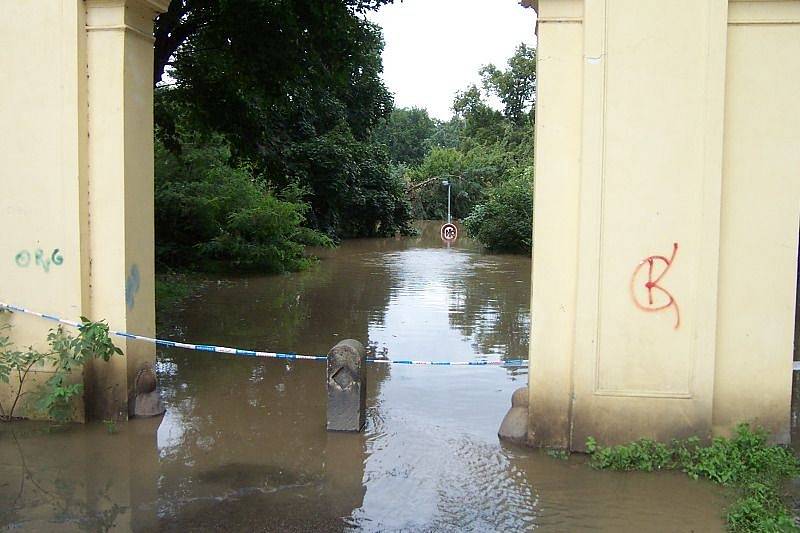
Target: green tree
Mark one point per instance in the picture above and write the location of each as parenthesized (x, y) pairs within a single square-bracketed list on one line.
[(294, 89), (406, 134), (470, 173), (448, 134), (515, 86), (497, 150), (185, 19), (211, 210), (503, 221), (482, 124)]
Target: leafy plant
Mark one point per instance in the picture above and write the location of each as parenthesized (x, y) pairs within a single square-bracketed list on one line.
[(406, 133), (211, 210), (15, 365), (172, 287), (744, 461), (503, 222), (111, 426), (67, 353), (294, 89), (558, 453)]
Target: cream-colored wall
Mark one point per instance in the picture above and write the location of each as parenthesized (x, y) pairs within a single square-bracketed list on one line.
[(139, 202), (42, 149), (77, 173), (761, 188), (120, 47), (663, 136), (555, 222)]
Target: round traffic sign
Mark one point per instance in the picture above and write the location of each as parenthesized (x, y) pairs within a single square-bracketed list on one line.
[(449, 232)]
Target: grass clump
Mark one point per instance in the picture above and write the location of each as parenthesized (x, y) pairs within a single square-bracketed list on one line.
[(558, 453), (172, 287), (745, 462)]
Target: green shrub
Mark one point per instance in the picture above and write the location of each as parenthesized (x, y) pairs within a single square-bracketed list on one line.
[(67, 353), (503, 222), (744, 461), (644, 454), (760, 508), (173, 286), (211, 211), (472, 173)]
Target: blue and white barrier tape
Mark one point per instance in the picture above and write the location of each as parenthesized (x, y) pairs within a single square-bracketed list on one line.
[(251, 353)]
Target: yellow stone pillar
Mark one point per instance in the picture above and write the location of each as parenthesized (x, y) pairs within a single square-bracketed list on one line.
[(76, 134), (119, 52), (666, 212)]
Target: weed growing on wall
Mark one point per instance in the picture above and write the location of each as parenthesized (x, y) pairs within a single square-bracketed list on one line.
[(66, 354), (745, 462)]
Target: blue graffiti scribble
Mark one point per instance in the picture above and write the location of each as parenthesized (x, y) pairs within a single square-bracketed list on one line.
[(25, 258), (132, 287), (41, 260)]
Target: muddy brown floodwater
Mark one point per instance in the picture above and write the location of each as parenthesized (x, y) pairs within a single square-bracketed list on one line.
[(243, 445)]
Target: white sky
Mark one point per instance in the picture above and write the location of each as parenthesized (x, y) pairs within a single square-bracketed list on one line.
[(434, 48)]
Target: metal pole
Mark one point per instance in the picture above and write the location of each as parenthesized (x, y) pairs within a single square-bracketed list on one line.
[(448, 201)]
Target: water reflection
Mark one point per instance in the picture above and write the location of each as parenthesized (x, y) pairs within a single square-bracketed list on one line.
[(244, 440), (490, 305), (78, 478), (243, 445)]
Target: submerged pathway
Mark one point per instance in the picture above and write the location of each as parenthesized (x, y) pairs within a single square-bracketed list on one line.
[(243, 444)]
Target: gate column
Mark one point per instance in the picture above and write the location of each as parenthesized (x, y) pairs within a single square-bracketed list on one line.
[(119, 51), (667, 200), (76, 169)]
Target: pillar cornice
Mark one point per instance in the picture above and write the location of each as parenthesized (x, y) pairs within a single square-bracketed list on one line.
[(131, 16), (157, 6), (559, 11), (763, 12)]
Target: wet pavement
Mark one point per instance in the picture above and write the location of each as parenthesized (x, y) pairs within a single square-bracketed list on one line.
[(243, 445)]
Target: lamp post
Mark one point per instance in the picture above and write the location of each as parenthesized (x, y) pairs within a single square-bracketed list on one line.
[(446, 183)]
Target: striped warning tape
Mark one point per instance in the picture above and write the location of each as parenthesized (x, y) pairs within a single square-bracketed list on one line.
[(511, 363)]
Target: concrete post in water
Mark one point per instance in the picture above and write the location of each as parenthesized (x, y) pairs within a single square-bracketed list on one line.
[(347, 386)]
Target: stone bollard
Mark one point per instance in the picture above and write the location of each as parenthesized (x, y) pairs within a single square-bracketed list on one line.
[(514, 427), (347, 386), (146, 400)]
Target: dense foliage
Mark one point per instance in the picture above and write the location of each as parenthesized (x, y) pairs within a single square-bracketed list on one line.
[(486, 155), (407, 135), (274, 130), (282, 98), (503, 220), (211, 209), (744, 461)]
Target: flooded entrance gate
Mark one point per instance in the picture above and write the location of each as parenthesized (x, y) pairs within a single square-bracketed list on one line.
[(243, 445)]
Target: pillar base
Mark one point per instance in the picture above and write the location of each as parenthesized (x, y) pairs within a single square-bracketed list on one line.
[(146, 404), (146, 399), (514, 427)]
